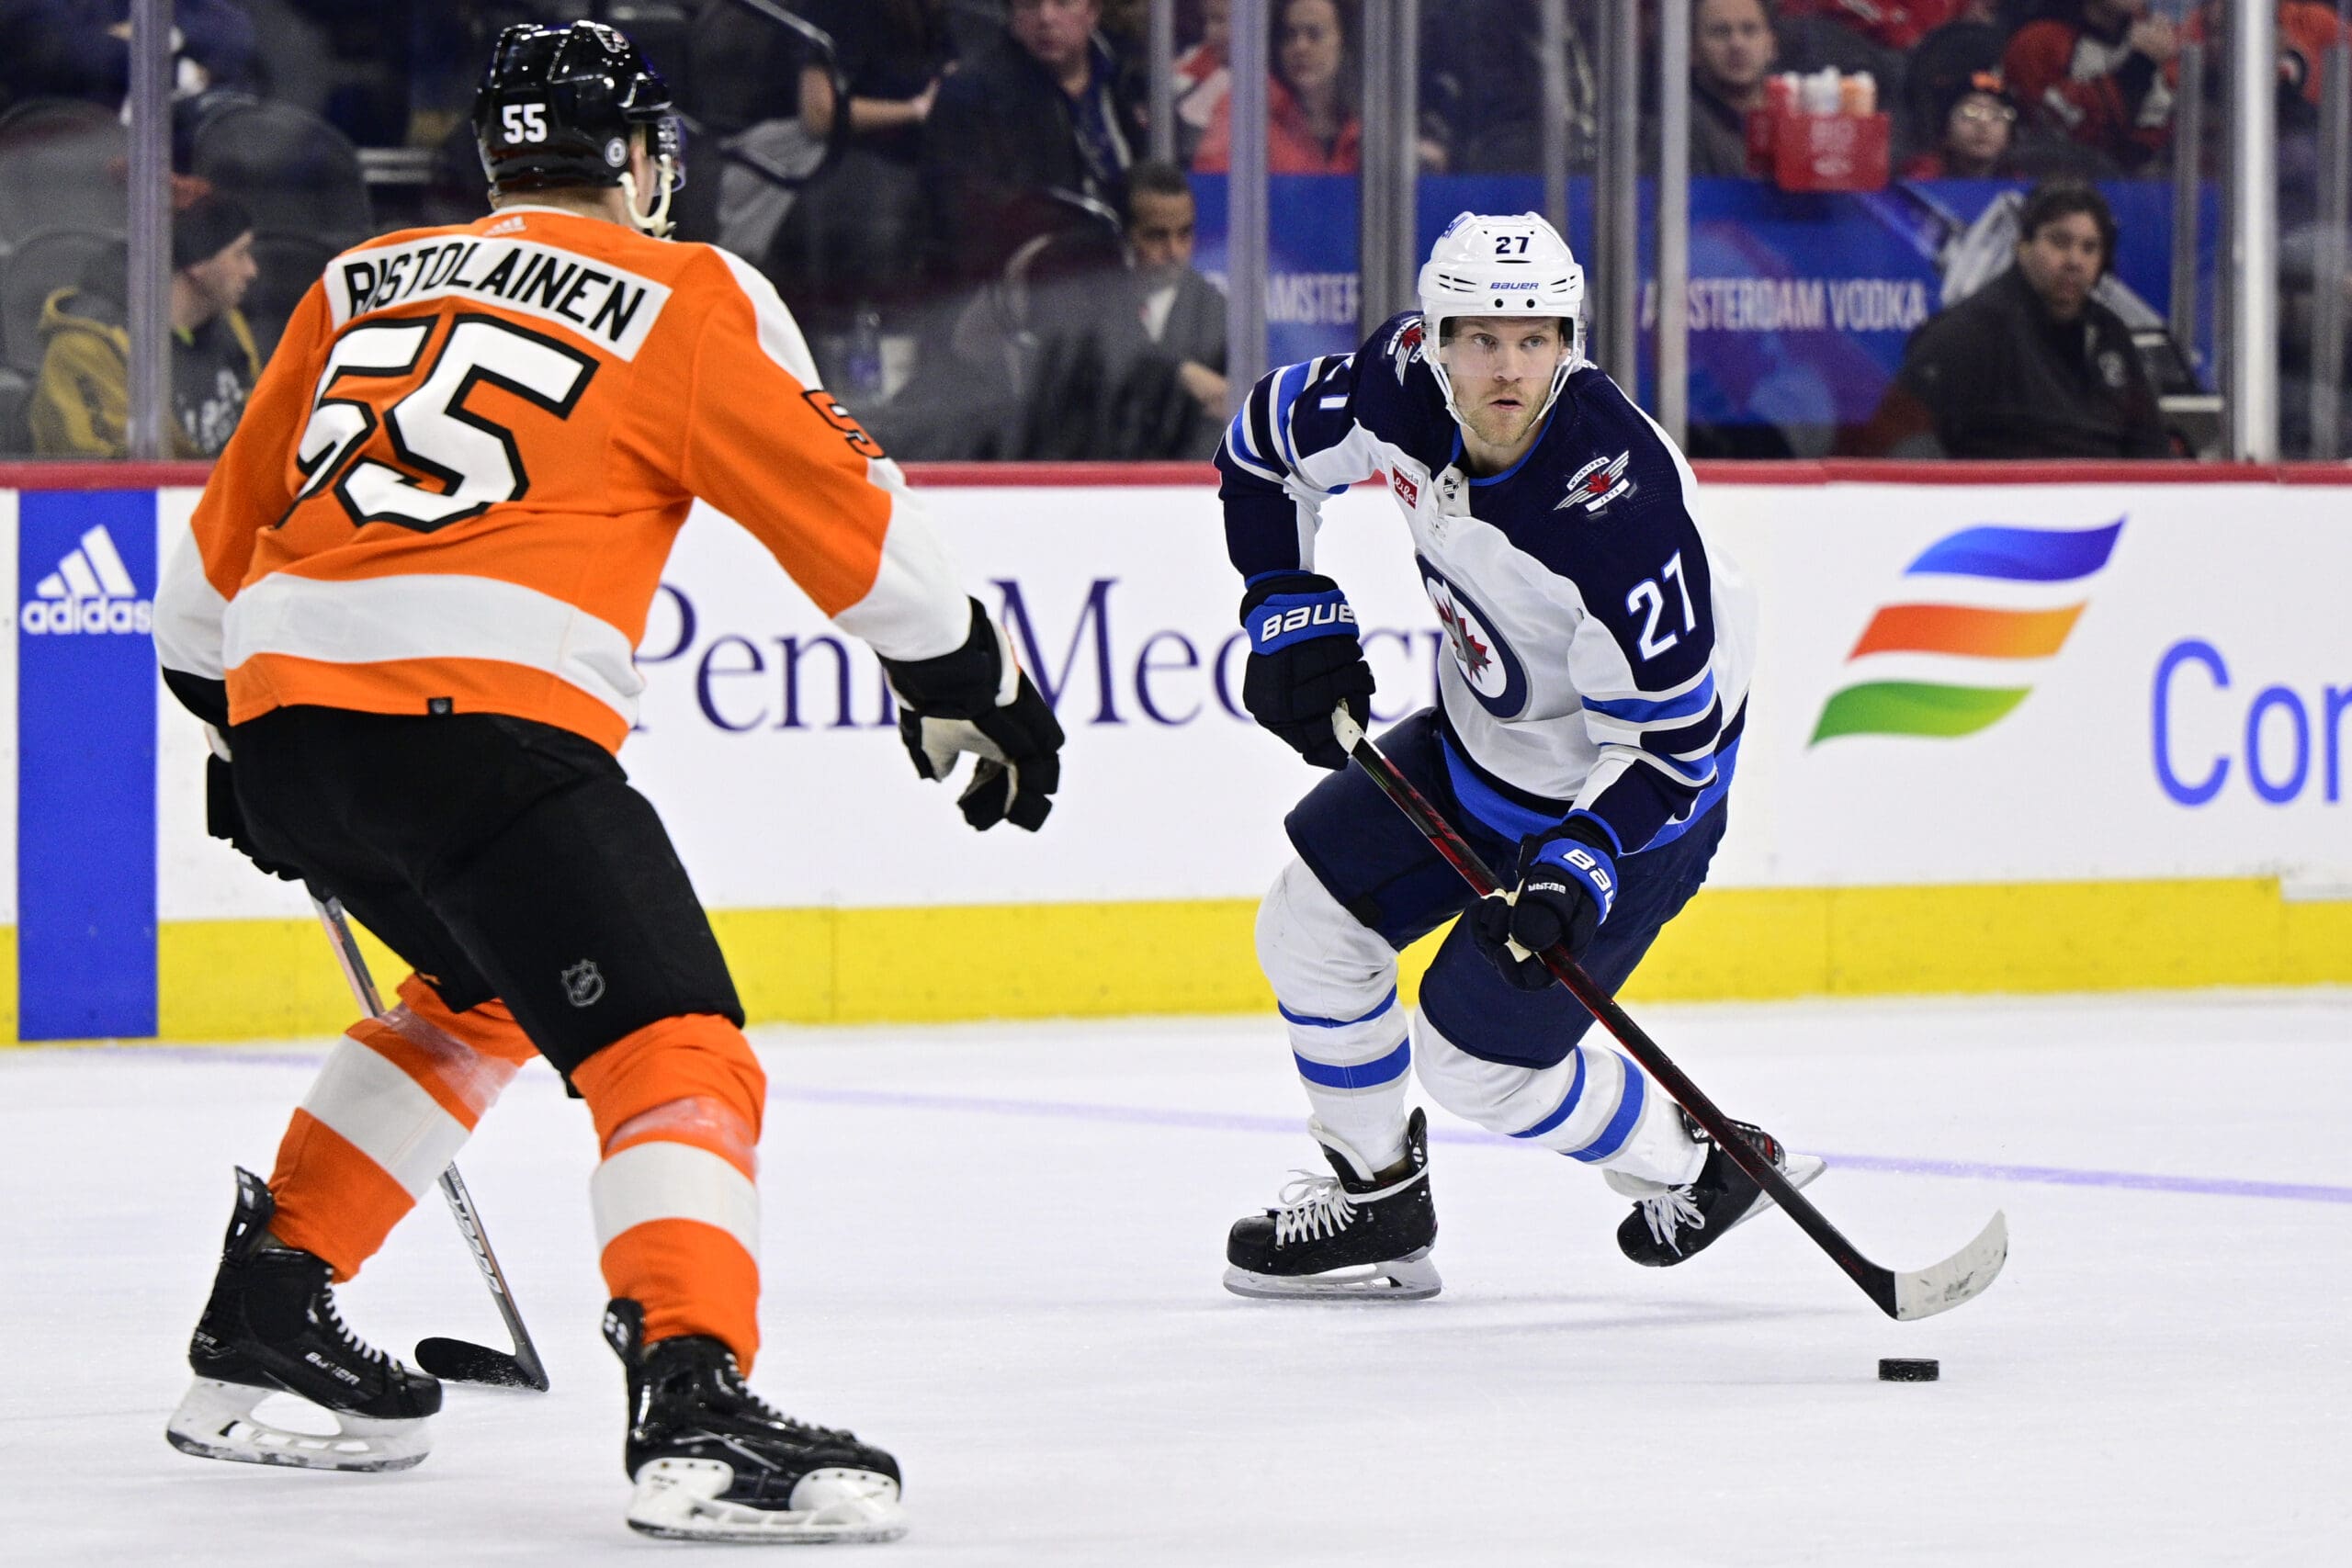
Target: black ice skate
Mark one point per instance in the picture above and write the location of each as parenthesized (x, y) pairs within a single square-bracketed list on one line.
[(713, 1461), (271, 1327), (1669, 1224), (1359, 1234)]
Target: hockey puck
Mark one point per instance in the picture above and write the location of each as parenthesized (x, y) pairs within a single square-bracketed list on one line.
[(1894, 1369)]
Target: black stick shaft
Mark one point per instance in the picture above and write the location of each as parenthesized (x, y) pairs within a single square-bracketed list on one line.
[(354, 964), (1876, 1282)]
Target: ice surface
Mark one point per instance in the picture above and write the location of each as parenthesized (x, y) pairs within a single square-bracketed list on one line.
[(996, 1250)]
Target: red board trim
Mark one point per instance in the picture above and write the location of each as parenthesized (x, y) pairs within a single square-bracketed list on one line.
[(1063, 476), (101, 475)]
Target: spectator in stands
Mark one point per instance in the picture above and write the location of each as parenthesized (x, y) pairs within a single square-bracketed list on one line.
[(1204, 75), (2094, 71), (1127, 23), (1971, 41), (2307, 30), (81, 407), (1124, 368), (2030, 365), (84, 46), (893, 54), (1979, 128), (1733, 49), (1311, 123), (857, 234), (2306, 33), (1044, 108), (1181, 314)]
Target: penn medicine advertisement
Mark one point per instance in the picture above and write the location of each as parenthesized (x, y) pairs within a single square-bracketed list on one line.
[(1958, 685)]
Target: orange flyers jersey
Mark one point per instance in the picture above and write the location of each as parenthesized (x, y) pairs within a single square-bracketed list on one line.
[(456, 485)]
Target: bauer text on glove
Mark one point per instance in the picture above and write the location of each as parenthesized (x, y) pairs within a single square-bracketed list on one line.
[(1568, 884), (1304, 659)]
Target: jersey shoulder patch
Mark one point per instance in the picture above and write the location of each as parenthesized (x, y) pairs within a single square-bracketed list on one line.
[(1600, 495), (1396, 395), (1614, 463)]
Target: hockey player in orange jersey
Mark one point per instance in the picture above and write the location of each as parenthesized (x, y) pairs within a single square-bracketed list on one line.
[(418, 575)]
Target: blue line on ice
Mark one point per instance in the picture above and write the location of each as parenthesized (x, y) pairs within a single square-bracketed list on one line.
[(1230, 1121), (1236, 1122)]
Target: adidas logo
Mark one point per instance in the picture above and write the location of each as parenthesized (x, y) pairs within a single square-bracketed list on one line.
[(91, 592)]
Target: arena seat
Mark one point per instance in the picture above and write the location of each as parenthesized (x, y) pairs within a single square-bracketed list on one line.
[(62, 163), (287, 264), (295, 172), (44, 263)]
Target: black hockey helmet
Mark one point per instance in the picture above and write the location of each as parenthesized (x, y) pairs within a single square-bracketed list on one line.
[(559, 105)]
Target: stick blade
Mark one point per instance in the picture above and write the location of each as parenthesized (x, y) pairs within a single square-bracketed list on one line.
[(458, 1360), (1957, 1280)]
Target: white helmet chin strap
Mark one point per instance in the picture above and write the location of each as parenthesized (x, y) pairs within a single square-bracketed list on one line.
[(653, 221)]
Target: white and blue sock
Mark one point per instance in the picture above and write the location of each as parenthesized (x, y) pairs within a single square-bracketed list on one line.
[(1336, 981)]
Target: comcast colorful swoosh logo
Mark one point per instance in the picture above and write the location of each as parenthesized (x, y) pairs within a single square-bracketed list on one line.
[(2014, 559)]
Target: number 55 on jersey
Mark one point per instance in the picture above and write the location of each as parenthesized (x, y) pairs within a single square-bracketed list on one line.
[(502, 427)]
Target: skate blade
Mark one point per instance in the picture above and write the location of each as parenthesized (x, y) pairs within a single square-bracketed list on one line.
[(216, 1420), (678, 1499), (1412, 1278), (1802, 1171)]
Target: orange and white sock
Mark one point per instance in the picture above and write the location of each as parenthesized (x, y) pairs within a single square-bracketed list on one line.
[(677, 1107), (397, 1098)]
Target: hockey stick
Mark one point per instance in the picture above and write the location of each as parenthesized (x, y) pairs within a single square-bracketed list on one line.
[(458, 1360), (1937, 1287)]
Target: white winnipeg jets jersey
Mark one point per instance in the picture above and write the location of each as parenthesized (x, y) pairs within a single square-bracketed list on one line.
[(1601, 643)]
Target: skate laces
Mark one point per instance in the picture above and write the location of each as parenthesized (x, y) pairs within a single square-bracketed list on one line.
[(1312, 1206), (1670, 1212), (1677, 1208), (331, 1318), (730, 1379)]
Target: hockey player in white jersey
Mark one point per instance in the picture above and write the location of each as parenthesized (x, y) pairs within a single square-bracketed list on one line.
[(1587, 730)]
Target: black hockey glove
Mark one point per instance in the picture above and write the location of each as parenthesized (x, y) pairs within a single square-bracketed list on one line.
[(1304, 659), (224, 819), (1568, 884), (977, 699)]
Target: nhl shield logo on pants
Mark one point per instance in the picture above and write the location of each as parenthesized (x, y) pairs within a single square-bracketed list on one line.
[(584, 983)]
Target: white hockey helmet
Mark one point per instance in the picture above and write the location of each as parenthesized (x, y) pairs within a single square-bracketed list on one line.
[(1502, 267)]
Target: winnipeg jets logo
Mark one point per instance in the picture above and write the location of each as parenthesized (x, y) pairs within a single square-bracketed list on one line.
[(1462, 632), (1597, 483), (583, 984), (1488, 668), (1405, 347)]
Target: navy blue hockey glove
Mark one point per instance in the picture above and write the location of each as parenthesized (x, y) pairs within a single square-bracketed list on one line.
[(977, 699), (1568, 884), (1306, 657)]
